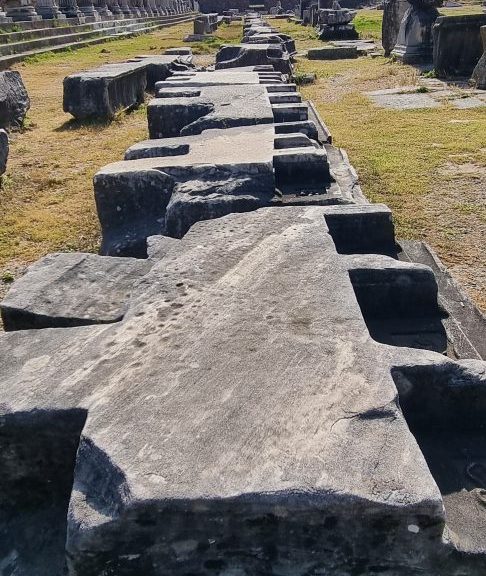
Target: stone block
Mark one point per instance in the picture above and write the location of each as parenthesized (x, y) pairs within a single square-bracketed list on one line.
[(102, 92), (243, 401), (334, 53), (393, 12), (14, 100), (4, 149), (457, 44), (207, 107), (71, 289), (236, 55), (479, 73), (166, 185)]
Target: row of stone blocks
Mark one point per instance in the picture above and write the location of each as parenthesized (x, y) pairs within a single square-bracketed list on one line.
[(262, 392)]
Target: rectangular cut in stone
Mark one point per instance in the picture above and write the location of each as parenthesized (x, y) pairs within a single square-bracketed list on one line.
[(242, 402)]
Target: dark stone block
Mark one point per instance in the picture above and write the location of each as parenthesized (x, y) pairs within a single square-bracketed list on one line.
[(457, 44), (14, 100), (393, 12), (4, 147)]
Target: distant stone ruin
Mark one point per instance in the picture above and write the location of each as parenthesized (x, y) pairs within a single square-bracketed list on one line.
[(258, 379)]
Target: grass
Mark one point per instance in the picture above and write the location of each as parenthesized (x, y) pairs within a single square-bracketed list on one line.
[(428, 165), (46, 199)]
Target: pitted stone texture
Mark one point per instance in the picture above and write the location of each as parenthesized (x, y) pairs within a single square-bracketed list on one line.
[(210, 107), (14, 100), (230, 76), (235, 55), (102, 92), (71, 289), (240, 403)]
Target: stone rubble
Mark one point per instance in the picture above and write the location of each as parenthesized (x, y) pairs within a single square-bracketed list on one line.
[(265, 389)]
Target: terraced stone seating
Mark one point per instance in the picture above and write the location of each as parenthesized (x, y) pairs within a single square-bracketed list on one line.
[(23, 39), (102, 92)]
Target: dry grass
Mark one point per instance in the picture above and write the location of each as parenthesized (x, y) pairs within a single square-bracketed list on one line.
[(46, 200), (428, 165)]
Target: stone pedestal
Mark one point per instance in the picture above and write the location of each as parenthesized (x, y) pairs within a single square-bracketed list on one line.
[(21, 10), (71, 10), (115, 9), (88, 10), (49, 10), (103, 10), (479, 74), (414, 43), (393, 12)]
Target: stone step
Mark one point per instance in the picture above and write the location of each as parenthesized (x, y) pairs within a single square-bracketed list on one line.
[(72, 25), (75, 36), (8, 60)]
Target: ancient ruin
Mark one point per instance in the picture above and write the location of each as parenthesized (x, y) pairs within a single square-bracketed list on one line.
[(254, 376)]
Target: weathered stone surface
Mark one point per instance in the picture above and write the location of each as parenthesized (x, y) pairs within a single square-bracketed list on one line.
[(334, 53), (236, 55), (414, 43), (393, 13), (102, 92), (207, 107), (205, 23), (155, 194), (479, 73), (457, 44), (14, 100), (242, 404), (4, 148), (230, 76), (71, 289)]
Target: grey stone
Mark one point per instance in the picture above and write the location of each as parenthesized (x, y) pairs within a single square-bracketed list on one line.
[(236, 55), (209, 107), (334, 53), (230, 76), (414, 43), (154, 194), (404, 100), (457, 44), (102, 92), (4, 149), (71, 289), (393, 13), (14, 100), (479, 73), (242, 404)]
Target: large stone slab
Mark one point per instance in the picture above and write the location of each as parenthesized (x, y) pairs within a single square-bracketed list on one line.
[(71, 289), (4, 149), (14, 100), (208, 107), (200, 177), (236, 55), (457, 44), (241, 404), (102, 92)]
